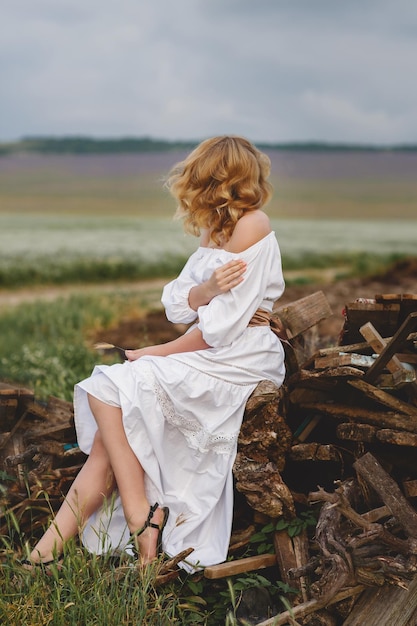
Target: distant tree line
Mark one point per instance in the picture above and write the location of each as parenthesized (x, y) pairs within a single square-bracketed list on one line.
[(89, 145)]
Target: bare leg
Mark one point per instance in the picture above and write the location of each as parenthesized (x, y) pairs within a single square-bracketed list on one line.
[(129, 476), (92, 485)]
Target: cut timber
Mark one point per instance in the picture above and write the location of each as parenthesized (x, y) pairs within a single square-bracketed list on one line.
[(292, 553), (410, 488), (392, 346), (373, 473), (242, 565), (345, 413), (314, 452), (373, 337), (384, 398), (312, 606), (384, 318), (344, 358), (357, 432), (387, 606), (397, 437), (302, 314)]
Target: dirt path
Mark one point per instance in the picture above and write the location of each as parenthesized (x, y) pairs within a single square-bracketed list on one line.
[(13, 297)]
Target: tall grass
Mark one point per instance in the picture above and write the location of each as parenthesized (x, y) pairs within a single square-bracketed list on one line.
[(48, 345)]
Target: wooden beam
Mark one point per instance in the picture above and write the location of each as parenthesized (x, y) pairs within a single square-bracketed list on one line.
[(373, 473), (372, 336), (392, 346), (383, 397), (231, 568), (385, 606), (312, 606), (304, 313)]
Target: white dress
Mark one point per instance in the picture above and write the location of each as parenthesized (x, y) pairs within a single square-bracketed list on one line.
[(182, 413)]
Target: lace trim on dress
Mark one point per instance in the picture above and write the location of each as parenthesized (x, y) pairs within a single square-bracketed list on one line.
[(197, 437)]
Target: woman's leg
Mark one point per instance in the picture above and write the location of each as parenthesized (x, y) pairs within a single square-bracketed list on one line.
[(94, 482), (129, 475)]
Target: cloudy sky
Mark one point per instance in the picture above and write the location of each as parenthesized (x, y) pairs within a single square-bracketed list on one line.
[(272, 70)]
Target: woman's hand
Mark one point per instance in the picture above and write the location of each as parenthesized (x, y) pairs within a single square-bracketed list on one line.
[(222, 280), (225, 277), (134, 355)]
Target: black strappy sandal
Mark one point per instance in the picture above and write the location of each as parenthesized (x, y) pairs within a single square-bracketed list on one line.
[(45, 565), (160, 527)]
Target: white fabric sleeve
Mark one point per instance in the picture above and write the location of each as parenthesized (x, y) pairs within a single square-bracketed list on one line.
[(227, 315), (175, 296)]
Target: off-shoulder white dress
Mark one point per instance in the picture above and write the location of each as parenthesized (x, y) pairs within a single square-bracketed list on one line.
[(182, 413)]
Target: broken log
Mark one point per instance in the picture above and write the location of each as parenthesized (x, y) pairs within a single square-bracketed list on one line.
[(373, 473)]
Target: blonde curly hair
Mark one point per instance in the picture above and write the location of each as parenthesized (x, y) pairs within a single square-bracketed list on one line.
[(223, 178)]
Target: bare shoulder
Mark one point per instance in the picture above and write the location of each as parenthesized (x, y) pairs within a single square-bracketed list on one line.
[(251, 228)]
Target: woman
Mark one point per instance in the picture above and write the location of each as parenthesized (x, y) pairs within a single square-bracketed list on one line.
[(163, 426)]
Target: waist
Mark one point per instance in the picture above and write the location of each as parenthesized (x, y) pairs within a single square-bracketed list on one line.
[(260, 318), (264, 318)]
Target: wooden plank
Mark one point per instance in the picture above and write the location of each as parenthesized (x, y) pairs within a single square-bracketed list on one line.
[(299, 316), (292, 553), (392, 347), (397, 437), (410, 488), (385, 606), (373, 473), (382, 419), (357, 432), (383, 397), (384, 317), (314, 452), (344, 358), (372, 336), (312, 606), (231, 568)]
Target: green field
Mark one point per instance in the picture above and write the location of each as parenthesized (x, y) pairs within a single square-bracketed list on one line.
[(90, 218)]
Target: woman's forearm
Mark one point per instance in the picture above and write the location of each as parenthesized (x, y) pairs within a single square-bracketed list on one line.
[(199, 296), (190, 342)]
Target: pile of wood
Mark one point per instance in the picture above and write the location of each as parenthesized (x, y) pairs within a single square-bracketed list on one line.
[(39, 457), (339, 439)]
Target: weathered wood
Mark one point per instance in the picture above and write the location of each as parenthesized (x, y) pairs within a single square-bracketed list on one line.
[(312, 606), (353, 413), (249, 564), (392, 346), (376, 514), (263, 487), (292, 553), (397, 437), (372, 336), (342, 359), (410, 488), (372, 472), (299, 316), (241, 538), (264, 434), (384, 398), (386, 606), (382, 315), (396, 380), (314, 452), (357, 432)]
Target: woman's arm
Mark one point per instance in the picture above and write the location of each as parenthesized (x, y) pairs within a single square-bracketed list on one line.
[(224, 278), (190, 342)]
